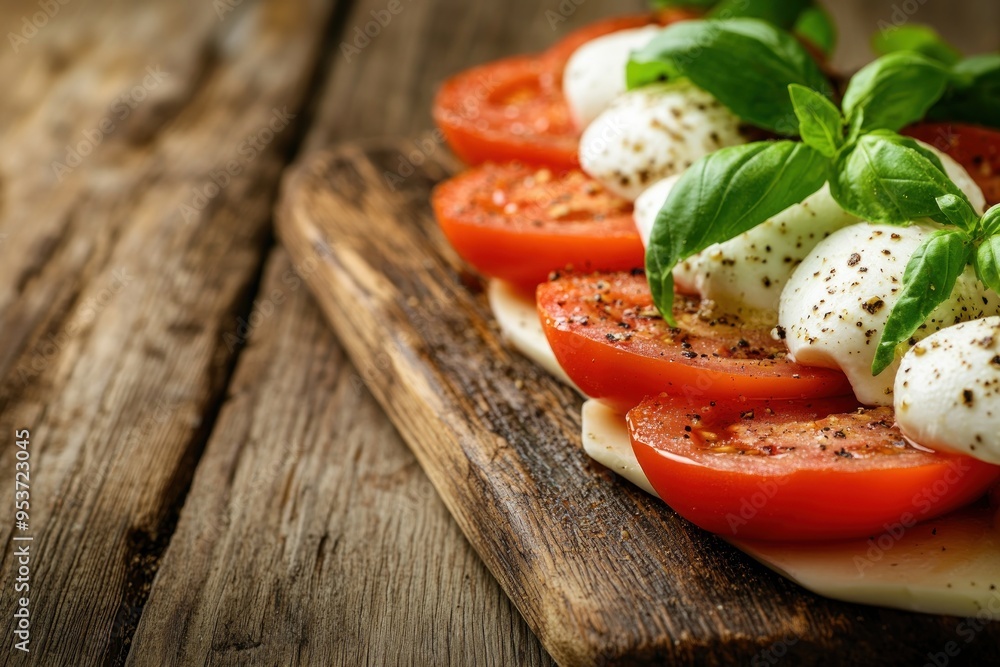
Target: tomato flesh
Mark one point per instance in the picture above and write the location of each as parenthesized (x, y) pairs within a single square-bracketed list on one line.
[(795, 470), (520, 223), (975, 148), (502, 111), (612, 342)]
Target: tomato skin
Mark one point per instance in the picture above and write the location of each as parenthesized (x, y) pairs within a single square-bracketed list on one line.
[(975, 148), (619, 350), (777, 484), (519, 224), (501, 111)]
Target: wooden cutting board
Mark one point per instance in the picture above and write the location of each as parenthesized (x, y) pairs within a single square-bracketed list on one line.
[(603, 573)]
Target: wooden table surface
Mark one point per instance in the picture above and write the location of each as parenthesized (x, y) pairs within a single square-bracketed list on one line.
[(210, 480)]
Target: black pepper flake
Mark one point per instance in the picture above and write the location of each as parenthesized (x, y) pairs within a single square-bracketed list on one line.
[(689, 355), (854, 259), (968, 397), (844, 454), (873, 305), (839, 434)]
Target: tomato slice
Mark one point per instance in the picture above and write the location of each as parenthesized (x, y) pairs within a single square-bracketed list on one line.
[(975, 148), (514, 109), (612, 342), (794, 470), (502, 111), (520, 223)]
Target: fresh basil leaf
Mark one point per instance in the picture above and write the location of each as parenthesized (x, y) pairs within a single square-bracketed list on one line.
[(780, 13), (723, 195), (915, 37), (706, 52), (817, 28), (820, 123), (895, 90), (988, 263), (885, 178), (928, 281), (958, 211), (974, 96), (991, 221)]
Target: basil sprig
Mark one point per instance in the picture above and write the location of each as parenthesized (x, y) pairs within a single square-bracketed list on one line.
[(874, 174), (705, 52), (768, 175), (973, 91), (934, 268)]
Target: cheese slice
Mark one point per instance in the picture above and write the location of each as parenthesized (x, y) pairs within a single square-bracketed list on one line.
[(518, 319), (949, 565)]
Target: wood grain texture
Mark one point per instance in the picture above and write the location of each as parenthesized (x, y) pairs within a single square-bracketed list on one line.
[(114, 299), (273, 559), (602, 573)]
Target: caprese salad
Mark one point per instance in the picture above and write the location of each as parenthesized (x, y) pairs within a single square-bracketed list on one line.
[(779, 292)]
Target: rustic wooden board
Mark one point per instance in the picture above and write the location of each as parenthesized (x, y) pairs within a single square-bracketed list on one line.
[(601, 572)]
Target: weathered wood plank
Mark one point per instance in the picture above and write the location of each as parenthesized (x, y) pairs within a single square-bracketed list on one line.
[(447, 590), (308, 538), (601, 572), (113, 296)]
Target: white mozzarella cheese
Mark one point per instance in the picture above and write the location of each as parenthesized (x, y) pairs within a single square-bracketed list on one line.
[(595, 73), (836, 303), (653, 132), (947, 393)]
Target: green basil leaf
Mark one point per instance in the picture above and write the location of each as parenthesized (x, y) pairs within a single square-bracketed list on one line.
[(974, 96), (816, 27), (988, 263), (895, 90), (780, 13), (820, 123), (928, 281), (885, 178), (723, 195), (991, 221), (745, 63), (915, 37), (958, 211)]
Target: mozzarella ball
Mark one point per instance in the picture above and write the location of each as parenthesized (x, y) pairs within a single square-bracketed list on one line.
[(595, 73), (947, 392), (649, 203), (653, 132), (835, 305)]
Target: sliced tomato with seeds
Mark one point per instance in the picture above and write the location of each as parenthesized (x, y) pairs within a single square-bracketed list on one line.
[(520, 223), (975, 148), (612, 342), (796, 470), (502, 111)]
